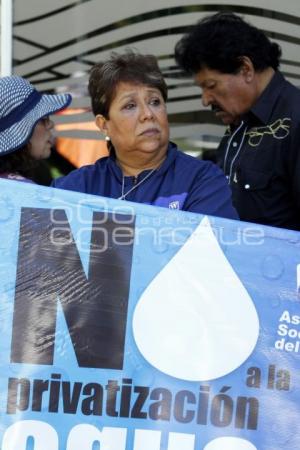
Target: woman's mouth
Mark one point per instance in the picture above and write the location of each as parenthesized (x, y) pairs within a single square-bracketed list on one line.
[(150, 132)]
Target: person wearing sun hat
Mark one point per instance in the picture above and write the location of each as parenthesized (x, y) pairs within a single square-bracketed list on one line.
[(25, 127)]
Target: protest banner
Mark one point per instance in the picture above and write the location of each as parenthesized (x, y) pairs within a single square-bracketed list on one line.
[(132, 327)]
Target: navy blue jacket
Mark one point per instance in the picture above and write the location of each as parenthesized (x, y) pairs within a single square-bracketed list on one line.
[(181, 182)]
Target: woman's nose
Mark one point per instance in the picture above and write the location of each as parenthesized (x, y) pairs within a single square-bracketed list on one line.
[(146, 112)]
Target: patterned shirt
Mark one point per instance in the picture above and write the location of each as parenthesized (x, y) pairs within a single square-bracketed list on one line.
[(15, 177), (261, 158)]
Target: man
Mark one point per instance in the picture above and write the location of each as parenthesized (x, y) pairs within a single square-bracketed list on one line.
[(236, 66)]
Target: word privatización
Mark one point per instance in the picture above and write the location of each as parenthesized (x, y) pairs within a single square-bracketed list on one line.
[(123, 399)]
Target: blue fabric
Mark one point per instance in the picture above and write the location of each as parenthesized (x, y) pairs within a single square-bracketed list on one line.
[(182, 182), (75, 278)]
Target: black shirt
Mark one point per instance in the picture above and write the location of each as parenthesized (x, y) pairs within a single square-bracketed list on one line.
[(261, 158)]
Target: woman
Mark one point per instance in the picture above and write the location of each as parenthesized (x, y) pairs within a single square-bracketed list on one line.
[(128, 95), (25, 127)]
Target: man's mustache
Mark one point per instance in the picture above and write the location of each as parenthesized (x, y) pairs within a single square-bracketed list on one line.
[(216, 108)]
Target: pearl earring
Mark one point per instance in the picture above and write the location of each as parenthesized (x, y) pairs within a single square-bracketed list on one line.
[(107, 138)]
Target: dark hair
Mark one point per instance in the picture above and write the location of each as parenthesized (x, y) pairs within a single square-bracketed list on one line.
[(128, 67), (220, 41), (19, 161)]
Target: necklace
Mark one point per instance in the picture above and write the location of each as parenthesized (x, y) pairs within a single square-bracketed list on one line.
[(124, 194)]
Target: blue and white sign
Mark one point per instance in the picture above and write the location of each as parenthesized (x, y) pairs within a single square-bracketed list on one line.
[(131, 327)]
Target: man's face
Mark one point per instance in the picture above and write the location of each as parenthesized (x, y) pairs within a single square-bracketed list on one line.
[(229, 95)]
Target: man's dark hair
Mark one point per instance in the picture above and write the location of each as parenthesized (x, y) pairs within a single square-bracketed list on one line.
[(129, 67), (220, 41)]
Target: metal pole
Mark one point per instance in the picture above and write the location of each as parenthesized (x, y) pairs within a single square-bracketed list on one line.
[(6, 37)]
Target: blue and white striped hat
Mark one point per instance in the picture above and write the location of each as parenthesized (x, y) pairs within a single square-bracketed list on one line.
[(21, 107)]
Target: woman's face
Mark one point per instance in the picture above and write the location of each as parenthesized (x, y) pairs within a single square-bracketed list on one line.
[(41, 140), (138, 124)]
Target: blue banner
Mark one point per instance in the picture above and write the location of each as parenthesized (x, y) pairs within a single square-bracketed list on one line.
[(132, 327)]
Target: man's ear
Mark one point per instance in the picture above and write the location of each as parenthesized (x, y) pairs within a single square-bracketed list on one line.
[(247, 69), (101, 123)]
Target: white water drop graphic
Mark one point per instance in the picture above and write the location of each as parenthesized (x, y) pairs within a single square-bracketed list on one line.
[(196, 321), (229, 443)]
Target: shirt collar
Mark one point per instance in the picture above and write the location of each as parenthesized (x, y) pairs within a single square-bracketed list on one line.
[(170, 157), (263, 108)]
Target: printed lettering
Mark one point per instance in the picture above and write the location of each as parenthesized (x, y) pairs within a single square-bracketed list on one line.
[(50, 271)]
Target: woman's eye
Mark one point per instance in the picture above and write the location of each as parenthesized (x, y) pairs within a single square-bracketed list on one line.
[(45, 120), (155, 101), (129, 106)]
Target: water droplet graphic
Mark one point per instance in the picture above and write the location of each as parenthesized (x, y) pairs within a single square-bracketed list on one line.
[(272, 267), (229, 443), (44, 194), (6, 209), (196, 321), (161, 247)]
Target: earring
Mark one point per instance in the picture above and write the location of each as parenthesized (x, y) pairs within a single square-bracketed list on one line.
[(107, 138)]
